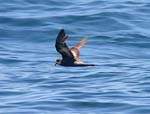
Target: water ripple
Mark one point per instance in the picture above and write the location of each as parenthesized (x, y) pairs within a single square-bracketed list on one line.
[(118, 43)]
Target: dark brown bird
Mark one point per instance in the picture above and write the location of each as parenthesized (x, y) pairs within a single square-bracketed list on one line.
[(70, 56)]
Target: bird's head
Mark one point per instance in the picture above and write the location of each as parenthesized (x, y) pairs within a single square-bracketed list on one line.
[(58, 61)]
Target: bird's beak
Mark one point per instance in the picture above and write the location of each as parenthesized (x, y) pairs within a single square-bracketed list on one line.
[(55, 64)]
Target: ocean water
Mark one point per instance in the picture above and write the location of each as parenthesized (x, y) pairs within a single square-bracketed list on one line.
[(118, 34)]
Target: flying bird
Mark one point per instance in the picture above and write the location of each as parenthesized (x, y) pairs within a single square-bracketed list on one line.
[(70, 56)]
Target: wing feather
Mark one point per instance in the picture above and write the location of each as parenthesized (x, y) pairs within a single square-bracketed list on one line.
[(81, 43), (62, 47)]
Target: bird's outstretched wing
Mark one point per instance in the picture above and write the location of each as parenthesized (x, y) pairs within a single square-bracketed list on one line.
[(62, 47), (75, 49), (81, 43)]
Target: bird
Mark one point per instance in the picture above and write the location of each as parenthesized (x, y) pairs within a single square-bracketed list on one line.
[(70, 56)]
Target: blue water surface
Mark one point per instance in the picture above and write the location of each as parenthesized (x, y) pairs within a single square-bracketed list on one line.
[(118, 34)]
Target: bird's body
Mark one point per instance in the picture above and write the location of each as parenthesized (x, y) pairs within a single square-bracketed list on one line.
[(70, 56)]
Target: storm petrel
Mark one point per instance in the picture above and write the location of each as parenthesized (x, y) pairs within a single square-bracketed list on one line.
[(70, 56)]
